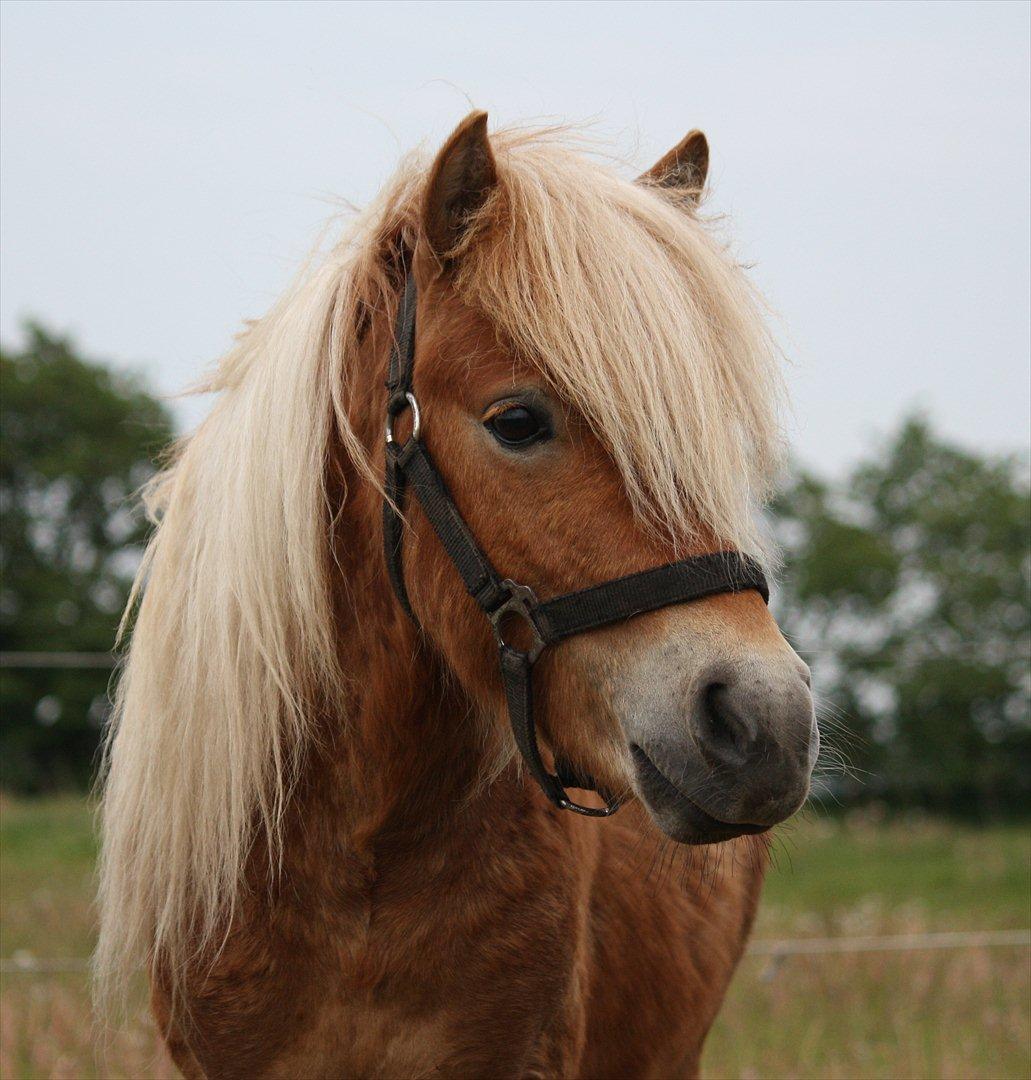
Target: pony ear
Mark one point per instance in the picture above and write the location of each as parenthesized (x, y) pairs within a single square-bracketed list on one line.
[(685, 167), (462, 177)]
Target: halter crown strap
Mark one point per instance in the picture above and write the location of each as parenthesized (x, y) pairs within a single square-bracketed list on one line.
[(410, 465)]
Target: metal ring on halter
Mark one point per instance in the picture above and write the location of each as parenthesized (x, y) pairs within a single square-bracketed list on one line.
[(409, 402)]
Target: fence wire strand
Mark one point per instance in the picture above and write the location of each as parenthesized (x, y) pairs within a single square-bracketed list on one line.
[(777, 951)]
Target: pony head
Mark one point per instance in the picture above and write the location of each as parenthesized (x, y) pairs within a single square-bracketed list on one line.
[(596, 384), (599, 389)]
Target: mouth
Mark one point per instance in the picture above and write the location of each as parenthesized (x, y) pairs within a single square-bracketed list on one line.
[(680, 817)]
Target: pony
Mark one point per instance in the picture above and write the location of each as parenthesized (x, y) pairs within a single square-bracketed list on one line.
[(317, 837)]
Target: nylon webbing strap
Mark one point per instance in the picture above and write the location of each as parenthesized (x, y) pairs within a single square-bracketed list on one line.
[(479, 577), (412, 466), (402, 351), (393, 526), (516, 675), (622, 598)]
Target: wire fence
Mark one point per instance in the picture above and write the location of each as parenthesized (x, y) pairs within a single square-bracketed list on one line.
[(778, 952), (25, 963), (57, 660)]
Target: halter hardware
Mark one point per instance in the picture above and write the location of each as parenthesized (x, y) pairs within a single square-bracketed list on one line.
[(501, 600), (395, 407), (522, 603)]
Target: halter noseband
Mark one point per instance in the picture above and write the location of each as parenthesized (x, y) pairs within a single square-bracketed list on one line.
[(502, 599)]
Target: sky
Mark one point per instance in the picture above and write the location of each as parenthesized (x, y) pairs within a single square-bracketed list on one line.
[(165, 167)]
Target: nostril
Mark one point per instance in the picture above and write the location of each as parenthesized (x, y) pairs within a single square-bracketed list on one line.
[(723, 734)]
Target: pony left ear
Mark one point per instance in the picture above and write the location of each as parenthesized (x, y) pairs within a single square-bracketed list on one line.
[(685, 167), (462, 177)]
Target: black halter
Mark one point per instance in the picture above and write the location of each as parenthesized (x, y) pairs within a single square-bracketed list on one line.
[(500, 598)]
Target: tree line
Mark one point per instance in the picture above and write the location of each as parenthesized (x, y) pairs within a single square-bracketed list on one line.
[(905, 585)]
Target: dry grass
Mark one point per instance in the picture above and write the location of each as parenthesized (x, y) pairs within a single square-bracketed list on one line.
[(946, 1014), (961, 1013), (47, 1032), (47, 853)]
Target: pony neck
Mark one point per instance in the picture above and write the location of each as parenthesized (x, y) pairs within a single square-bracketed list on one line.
[(404, 752), (411, 757)]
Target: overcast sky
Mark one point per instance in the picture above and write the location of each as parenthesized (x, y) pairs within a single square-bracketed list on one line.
[(166, 165)]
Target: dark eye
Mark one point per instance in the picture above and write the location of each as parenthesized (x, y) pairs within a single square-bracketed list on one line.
[(518, 426)]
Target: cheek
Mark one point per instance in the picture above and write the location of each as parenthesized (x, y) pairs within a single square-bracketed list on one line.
[(459, 631), (555, 518)]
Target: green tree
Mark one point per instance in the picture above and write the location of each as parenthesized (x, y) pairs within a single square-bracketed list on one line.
[(76, 440), (907, 586)]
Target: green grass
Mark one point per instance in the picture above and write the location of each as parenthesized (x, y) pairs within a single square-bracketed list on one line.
[(831, 874), (47, 854), (957, 1013), (962, 1013)]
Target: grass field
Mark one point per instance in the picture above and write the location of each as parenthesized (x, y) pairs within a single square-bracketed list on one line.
[(961, 1013)]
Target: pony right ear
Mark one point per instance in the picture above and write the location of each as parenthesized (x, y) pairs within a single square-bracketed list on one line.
[(685, 167), (461, 179)]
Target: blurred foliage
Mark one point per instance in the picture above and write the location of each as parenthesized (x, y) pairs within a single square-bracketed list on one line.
[(76, 441), (906, 587)]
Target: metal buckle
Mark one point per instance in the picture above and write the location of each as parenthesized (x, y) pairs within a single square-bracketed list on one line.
[(522, 602), (409, 402)]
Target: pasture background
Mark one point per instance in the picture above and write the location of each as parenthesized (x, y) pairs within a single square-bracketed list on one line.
[(961, 1013)]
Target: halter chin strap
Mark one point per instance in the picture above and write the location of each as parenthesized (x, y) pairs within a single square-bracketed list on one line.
[(504, 601)]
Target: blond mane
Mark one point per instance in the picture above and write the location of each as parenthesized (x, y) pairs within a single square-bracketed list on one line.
[(631, 309)]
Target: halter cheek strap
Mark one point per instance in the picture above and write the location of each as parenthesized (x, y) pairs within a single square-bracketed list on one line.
[(503, 600)]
